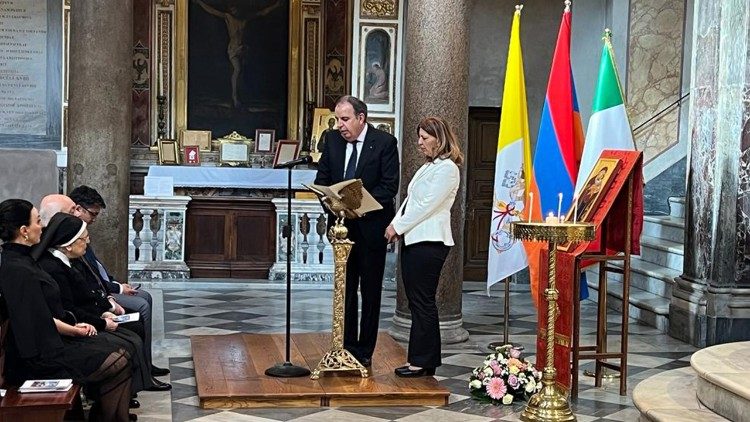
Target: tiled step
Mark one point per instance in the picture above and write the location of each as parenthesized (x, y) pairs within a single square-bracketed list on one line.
[(664, 227), (644, 306), (677, 206), (723, 384), (645, 276), (665, 253), (670, 396)]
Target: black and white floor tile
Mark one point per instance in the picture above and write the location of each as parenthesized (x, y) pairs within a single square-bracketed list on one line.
[(190, 308)]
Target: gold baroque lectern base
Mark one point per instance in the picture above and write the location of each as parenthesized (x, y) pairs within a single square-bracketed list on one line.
[(338, 358)]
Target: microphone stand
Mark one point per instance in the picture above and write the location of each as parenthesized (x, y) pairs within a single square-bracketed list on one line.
[(287, 369)]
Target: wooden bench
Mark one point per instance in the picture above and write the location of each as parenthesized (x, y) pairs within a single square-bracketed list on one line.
[(36, 407)]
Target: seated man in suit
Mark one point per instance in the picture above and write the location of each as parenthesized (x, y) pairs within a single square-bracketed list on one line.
[(52, 204), (360, 151), (88, 204)]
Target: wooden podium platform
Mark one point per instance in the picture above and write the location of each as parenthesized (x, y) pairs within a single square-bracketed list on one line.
[(229, 373)]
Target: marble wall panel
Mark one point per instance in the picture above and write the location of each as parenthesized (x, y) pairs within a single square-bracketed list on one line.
[(655, 54), (141, 136)]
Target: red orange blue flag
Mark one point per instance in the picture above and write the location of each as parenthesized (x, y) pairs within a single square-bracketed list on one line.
[(559, 144)]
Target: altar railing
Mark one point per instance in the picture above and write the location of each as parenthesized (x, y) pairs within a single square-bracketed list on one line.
[(312, 255), (156, 237)]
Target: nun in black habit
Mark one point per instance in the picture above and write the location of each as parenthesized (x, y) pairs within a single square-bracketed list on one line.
[(42, 342), (62, 243)]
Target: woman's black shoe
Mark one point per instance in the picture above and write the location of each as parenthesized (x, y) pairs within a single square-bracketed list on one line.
[(401, 369), (159, 372), (134, 404), (407, 372), (132, 417)]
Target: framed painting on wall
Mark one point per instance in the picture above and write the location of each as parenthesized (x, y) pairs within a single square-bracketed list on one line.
[(386, 124), (377, 56)]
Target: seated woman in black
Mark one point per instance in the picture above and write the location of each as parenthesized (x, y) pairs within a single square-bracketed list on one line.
[(63, 242), (40, 344)]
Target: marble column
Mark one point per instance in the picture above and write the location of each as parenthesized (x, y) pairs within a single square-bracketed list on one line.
[(711, 300), (101, 38), (436, 84)]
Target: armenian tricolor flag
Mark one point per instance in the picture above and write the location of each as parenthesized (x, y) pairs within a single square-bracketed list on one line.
[(559, 144)]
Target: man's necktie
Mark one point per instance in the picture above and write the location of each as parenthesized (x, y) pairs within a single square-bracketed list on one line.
[(352, 166)]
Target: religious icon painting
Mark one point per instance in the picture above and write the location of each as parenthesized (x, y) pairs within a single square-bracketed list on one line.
[(376, 66), (191, 156), (593, 192)]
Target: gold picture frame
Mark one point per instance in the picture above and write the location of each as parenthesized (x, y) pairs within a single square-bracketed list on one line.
[(386, 124), (199, 138), (168, 152), (294, 79), (323, 119)]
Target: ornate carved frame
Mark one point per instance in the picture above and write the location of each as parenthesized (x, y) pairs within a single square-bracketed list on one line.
[(171, 47)]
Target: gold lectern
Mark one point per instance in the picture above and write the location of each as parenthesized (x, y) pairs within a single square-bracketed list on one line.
[(347, 199)]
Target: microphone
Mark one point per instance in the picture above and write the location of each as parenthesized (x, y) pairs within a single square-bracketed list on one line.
[(291, 163)]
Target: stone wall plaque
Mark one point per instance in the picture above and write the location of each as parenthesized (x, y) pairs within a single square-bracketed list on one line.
[(23, 67)]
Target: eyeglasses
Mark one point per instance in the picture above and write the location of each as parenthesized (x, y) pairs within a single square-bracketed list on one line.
[(93, 214), (84, 238)]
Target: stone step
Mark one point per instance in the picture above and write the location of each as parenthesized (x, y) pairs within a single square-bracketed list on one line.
[(677, 206), (644, 306), (664, 227), (665, 253), (645, 276), (723, 384), (672, 396)]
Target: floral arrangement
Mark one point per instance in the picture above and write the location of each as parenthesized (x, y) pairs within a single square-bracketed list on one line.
[(504, 377)]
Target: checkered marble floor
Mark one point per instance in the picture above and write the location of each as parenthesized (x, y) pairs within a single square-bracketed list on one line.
[(223, 308)]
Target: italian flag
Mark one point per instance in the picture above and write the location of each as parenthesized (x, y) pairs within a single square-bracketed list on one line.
[(609, 127)]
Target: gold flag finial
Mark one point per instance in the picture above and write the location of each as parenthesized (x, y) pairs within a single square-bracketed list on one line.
[(607, 38), (567, 5)]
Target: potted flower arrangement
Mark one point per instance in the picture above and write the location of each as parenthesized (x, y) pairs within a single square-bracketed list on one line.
[(504, 377)]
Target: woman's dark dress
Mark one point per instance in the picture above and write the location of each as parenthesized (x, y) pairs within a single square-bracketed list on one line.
[(34, 348), (87, 305)]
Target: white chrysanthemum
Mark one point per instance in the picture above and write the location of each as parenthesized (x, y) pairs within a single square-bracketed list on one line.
[(475, 384), (486, 380), (488, 372), (531, 386)]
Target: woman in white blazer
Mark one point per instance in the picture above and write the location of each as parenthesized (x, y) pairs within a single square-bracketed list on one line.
[(424, 223)]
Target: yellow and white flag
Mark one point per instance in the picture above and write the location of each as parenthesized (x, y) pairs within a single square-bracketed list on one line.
[(513, 167)]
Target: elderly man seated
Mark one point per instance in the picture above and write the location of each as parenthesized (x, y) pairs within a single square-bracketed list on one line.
[(86, 203)]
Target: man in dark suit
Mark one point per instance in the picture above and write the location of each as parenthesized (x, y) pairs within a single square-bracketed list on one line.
[(359, 151)]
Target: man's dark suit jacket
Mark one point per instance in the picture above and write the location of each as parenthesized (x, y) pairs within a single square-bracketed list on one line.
[(378, 167)]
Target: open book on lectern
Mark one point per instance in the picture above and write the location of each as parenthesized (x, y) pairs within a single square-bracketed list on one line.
[(349, 196)]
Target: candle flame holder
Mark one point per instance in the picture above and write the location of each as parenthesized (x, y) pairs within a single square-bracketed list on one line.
[(551, 402)]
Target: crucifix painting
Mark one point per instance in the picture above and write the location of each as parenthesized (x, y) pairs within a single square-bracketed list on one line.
[(237, 65)]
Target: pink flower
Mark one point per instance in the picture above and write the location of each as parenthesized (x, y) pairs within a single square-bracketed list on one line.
[(515, 353), (513, 381), (496, 389)]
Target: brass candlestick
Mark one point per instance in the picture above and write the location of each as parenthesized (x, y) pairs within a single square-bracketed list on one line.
[(338, 358), (551, 402)]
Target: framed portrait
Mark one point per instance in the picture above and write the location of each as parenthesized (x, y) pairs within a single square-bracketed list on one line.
[(285, 151), (264, 139), (168, 152), (377, 55), (594, 190), (191, 155), (323, 119), (199, 138), (386, 124), (234, 152)]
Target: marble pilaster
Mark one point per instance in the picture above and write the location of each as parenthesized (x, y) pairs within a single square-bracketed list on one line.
[(99, 119), (437, 57), (711, 300)]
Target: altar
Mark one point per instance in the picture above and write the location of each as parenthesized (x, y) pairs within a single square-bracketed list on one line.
[(233, 224)]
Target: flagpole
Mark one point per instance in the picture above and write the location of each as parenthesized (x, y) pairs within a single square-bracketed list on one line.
[(506, 320)]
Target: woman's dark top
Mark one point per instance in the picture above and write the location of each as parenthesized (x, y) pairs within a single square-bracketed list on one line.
[(86, 303), (34, 348)]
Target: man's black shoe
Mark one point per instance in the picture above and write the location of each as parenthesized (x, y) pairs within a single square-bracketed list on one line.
[(159, 372), (366, 362), (134, 404), (159, 386)]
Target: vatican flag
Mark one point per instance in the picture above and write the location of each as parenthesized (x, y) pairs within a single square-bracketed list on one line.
[(507, 256)]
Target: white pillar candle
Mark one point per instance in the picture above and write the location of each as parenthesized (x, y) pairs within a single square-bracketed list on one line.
[(559, 205), (530, 205)]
